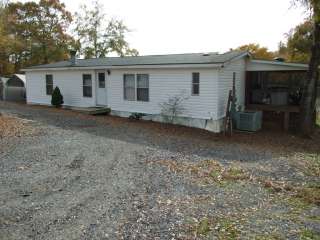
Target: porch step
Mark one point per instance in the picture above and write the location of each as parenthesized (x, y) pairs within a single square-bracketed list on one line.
[(92, 110)]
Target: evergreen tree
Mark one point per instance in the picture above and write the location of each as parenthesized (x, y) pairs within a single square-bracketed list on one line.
[(57, 98)]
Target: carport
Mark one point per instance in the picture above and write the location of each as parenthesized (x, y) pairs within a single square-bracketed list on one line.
[(275, 87)]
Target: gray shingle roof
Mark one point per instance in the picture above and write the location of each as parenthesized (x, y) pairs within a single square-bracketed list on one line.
[(188, 58)]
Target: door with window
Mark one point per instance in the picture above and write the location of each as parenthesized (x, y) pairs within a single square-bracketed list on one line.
[(101, 88)]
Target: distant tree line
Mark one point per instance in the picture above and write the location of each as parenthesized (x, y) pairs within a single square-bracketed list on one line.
[(45, 31), (296, 48)]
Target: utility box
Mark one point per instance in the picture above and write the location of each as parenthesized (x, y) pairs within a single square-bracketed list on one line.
[(248, 120)]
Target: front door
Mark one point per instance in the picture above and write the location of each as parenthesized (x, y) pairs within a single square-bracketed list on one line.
[(101, 88)]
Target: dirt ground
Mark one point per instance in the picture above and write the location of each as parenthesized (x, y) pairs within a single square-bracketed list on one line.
[(65, 175)]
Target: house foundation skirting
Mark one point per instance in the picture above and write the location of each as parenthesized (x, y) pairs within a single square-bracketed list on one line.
[(207, 124)]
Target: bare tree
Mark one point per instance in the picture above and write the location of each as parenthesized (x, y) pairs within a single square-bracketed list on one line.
[(174, 106), (97, 36)]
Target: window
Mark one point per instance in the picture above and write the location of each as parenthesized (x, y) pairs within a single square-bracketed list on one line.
[(102, 80), (136, 87), (195, 83), (87, 85), (129, 87), (143, 87), (49, 84)]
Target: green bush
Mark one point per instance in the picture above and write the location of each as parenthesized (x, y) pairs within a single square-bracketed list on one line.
[(56, 98), (108, 111), (136, 116)]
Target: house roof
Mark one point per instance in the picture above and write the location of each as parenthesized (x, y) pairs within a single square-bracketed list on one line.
[(172, 59), (279, 63), (22, 77)]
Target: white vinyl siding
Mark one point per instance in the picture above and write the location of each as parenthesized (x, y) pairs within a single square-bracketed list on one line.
[(69, 82), (235, 69), (164, 83)]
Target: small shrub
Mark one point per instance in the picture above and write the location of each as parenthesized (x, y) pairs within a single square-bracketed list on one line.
[(173, 107), (136, 116), (56, 98), (108, 111)]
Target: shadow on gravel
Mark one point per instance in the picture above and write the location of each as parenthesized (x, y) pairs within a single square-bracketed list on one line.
[(243, 147)]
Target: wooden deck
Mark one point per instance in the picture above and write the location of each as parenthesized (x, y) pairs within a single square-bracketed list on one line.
[(273, 108), (286, 109)]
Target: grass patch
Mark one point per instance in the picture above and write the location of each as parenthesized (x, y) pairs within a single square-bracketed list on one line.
[(297, 207), (299, 200), (307, 234), (226, 229), (314, 218), (208, 171), (198, 228), (203, 228), (314, 164), (276, 186), (234, 174), (309, 194), (310, 163), (222, 229), (272, 236)]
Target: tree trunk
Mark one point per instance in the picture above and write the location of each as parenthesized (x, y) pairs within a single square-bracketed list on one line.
[(308, 102)]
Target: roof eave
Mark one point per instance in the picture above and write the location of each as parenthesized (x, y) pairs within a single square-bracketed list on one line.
[(150, 66), (300, 65)]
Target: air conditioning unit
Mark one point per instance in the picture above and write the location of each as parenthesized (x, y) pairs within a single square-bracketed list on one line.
[(248, 120)]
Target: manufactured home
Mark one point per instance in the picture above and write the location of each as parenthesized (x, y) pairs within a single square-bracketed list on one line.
[(143, 84)]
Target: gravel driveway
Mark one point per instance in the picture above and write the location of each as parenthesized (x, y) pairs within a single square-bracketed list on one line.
[(83, 177)]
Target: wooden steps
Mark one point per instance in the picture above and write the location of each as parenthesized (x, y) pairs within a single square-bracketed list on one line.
[(92, 110)]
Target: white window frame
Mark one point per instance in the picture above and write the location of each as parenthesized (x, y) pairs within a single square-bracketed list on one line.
[(83, 85), (47, 85), (136, 87), (142, 87), (193, 84)]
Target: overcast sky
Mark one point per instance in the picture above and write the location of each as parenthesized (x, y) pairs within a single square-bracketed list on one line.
[(178, 26)]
